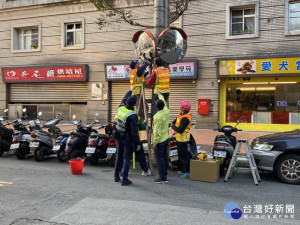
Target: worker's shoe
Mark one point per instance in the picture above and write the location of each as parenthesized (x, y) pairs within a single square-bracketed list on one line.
[(148, 173), (117, 179), (126, 182), (160, 181), (180, 172), (185, 175)]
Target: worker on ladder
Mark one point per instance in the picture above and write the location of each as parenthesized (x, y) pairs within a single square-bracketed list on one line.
[(161, 77), (137, 76)]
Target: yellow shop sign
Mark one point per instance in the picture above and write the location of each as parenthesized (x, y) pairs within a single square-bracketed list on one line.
[(260, 66)]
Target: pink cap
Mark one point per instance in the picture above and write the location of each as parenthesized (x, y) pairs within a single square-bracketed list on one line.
[(186, 105)]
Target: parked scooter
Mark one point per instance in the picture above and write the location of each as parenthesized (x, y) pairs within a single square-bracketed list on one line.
[(102, 146), (60, 146), (5, 136), (78, 140), (224, 145), (41, 143), (21, 137), (173, 153)]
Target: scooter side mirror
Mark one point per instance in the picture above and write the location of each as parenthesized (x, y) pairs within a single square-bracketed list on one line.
[(238, 122), (96, 114), (74, 117), (24, 110), (40, 113), (5, 110)]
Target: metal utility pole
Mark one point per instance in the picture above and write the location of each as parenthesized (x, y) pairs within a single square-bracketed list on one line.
[(161, 16)]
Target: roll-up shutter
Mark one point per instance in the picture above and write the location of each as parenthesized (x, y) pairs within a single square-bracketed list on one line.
[(180, 90), (48, 92)]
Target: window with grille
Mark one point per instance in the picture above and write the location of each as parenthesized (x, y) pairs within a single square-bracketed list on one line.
[(27, 38), (73, 34), (242, 20)]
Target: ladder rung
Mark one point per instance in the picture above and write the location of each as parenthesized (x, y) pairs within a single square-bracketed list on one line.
[(148, 100)]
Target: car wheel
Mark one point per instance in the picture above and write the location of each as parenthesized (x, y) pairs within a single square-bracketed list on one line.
[(287, 169), (39, 153), (1, 152)]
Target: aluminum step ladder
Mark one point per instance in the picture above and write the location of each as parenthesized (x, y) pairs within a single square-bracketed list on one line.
[(149, 128), (249, 156)]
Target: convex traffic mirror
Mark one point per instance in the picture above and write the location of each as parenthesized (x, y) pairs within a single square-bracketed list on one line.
[(144, 44), (171, 45)]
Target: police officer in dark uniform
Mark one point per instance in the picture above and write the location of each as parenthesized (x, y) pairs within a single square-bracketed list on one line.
[(127, 137)]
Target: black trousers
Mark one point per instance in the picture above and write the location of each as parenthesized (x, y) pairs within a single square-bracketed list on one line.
[(183, 156)]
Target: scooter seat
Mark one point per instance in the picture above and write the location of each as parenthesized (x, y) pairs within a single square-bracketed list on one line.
[(25, 132), (103, 136), (221, 138), (65, 134), (44, 133)]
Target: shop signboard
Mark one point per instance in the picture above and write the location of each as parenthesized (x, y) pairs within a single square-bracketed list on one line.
[(53, 73), (262, 66), (181, 70)]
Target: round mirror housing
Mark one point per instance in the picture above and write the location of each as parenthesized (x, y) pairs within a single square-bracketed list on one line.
[(144, 44), (40, 113), (24, 110), (5, 110), (96, 114), (74, 117), (172, 45)]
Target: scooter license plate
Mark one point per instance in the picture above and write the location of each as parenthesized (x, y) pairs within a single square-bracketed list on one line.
[(174, 158), (34, 144), (111, 150), (90, 150), (14, 146), (173, 153), (56, 148), (221, 154)]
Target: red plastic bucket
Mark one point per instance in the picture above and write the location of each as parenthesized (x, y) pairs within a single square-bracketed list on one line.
[(76, 166)]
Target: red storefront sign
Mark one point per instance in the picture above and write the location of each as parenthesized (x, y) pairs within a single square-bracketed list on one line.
[(53, 73)]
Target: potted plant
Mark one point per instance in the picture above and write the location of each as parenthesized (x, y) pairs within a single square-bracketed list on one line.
[(250, 31), (234, 32), (34, 46), (242, 32)]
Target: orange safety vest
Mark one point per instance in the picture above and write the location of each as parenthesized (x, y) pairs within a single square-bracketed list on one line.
[(162, 80), (185, 136), (135, 80)]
